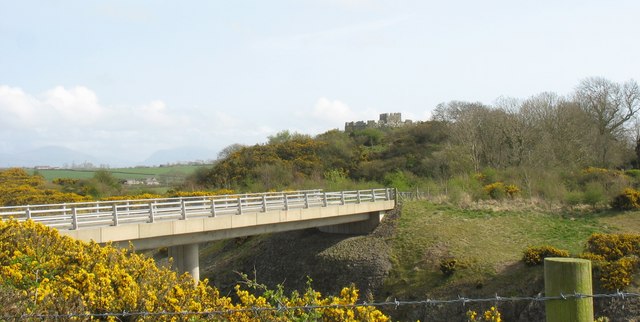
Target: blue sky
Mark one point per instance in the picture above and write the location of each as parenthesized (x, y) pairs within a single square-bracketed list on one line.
[(128, 78)]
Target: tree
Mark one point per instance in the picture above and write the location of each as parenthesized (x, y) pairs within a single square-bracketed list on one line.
[(103, 184), (230, 149), (284, 136), (556, 132), (463, 127), (610, 105), (477, 128)]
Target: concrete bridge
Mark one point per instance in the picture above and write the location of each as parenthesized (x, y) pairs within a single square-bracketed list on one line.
[(182, 223)]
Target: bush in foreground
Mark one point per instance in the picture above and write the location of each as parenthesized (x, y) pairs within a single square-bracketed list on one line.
[(617, 256), (42, 272)]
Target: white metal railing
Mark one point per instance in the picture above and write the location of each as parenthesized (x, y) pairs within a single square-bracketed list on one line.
[(69, 216)]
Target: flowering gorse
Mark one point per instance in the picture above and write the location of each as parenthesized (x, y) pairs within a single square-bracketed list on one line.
[(42, 272)]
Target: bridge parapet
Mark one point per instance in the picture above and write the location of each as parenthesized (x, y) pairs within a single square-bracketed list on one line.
[(74, 216)]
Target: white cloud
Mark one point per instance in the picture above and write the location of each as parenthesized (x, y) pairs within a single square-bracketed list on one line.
[(78, 104), (335, 111), (74, 118), (17, 108), (156, 114)]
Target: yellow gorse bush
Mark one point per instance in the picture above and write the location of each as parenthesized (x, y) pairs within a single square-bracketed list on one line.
[(617, 254), (42, 272), (535, 255), (498, 190), (629, 199), (17, 187), (491, 315)]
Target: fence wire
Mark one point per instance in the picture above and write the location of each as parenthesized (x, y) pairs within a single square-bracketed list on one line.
[(308, 308)]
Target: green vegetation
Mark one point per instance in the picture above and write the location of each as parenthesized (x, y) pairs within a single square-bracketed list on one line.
[(484, 243), (170, 173), (535, 255)]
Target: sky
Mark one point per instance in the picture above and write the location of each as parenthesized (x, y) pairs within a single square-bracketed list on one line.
[(122, 79)]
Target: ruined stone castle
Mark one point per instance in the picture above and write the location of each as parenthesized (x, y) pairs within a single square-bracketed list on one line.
[(386, 120)]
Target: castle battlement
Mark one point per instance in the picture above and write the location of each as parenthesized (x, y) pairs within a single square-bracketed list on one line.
[(385, 120)]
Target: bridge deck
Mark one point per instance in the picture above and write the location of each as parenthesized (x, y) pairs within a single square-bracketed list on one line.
[(149, 223)]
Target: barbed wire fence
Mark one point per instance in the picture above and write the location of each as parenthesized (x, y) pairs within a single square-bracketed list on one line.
[(308, 308)]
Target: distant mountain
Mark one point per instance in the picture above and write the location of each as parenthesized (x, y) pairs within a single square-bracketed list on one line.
[(54, 156), (181, 154)]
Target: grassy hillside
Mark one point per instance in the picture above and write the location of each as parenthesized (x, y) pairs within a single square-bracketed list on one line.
[(488, 246), (487, 243)]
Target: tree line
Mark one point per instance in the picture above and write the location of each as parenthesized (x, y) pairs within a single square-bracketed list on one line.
[(465, 145)]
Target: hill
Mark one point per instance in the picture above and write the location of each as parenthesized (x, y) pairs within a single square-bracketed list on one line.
[(400, 260)]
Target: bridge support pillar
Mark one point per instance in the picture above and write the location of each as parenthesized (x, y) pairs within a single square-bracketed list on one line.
[(186, 259), (356, 228)]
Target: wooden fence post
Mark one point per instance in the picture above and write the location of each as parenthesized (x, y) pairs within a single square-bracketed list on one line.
[(568, 276)]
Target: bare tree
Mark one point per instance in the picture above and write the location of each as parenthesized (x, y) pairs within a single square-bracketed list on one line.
[(465, 127), (610, 105)]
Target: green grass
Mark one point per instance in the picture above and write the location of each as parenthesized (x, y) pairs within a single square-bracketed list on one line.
[(488, 244), (170, 173)]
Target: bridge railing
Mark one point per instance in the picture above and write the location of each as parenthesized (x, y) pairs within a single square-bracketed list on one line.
[(71, 216)]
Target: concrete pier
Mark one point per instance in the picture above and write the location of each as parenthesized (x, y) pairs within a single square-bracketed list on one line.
[(186, 260)]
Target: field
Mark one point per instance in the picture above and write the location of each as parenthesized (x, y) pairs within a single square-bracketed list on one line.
[(165, 175)]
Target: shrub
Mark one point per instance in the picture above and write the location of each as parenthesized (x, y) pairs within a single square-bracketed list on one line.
[(491, 315), (42, 272), (633, 173), (495, 190), (573, 198), (133, 197), (596, 171), (614, 246), (593, 194), (535, 255), (597, 185), (511, 190), (499, 190), (399, 180), (618, 274), (17, 187), (448, 266), (615, 257), (218, 192), (592, 257), (629, 199)]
